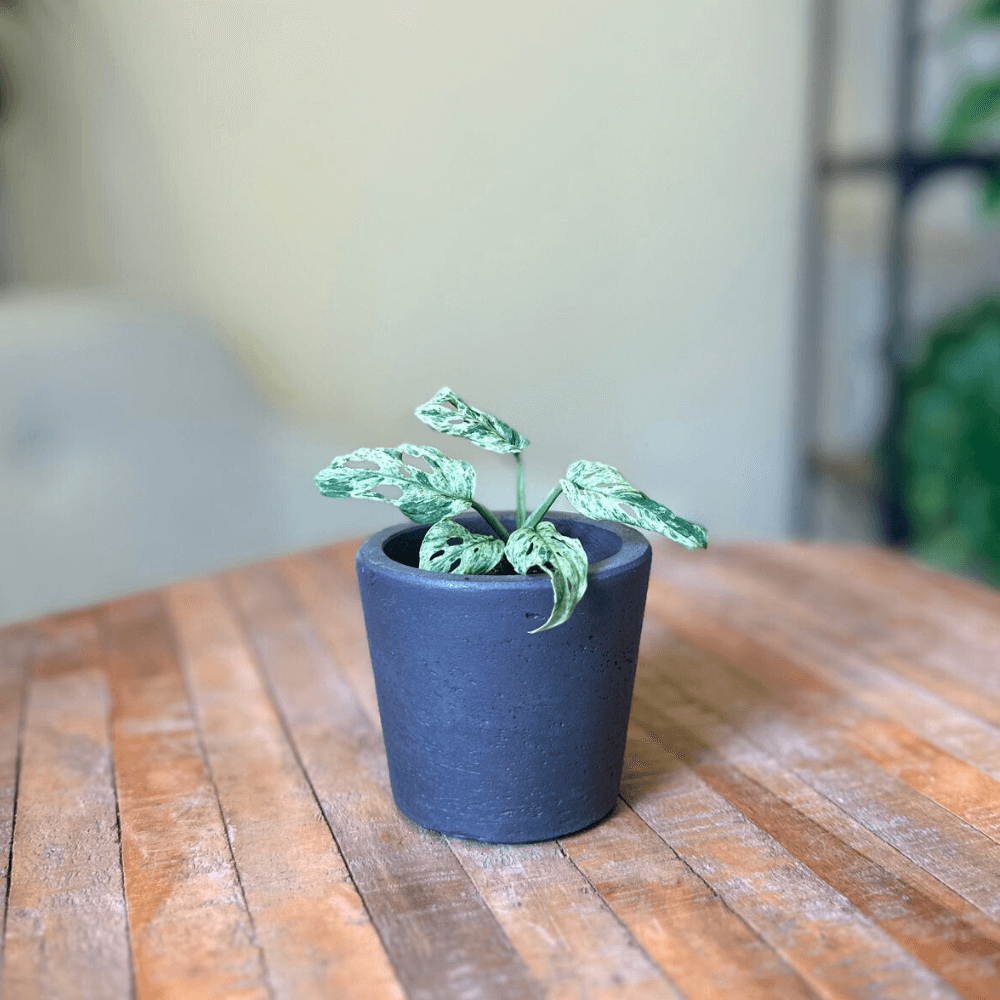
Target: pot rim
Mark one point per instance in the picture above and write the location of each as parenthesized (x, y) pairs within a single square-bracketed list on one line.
[(634, 548)]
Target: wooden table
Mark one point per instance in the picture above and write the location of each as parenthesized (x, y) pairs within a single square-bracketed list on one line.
[(195, 790)]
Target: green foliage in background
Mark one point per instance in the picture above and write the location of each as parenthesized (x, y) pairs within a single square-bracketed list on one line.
[(948, 424), (432, 488), (973, 117), (950, 436), (951, 444)]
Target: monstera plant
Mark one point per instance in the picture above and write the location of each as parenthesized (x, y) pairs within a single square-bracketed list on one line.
[(432, 488), (951, 444), (494, 730)]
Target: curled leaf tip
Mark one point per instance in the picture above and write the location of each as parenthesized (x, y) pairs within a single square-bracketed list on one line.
[(562, 559), (600, 491)]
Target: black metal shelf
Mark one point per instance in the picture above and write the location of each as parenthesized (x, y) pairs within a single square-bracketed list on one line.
[(908, 167), (911, 167)]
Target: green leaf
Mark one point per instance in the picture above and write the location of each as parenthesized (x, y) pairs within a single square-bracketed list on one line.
[(975, 109), (599, 491), (424, 497), (450, 414), (985, 11), (562, 559), (450, 548), (991, 195)]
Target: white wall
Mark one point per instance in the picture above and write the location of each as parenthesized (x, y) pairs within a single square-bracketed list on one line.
[(582, 215)]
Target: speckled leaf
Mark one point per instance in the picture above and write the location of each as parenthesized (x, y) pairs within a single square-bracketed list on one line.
[(599, 491), (450, 548), (562, 559), (450, 414), (425, 497)]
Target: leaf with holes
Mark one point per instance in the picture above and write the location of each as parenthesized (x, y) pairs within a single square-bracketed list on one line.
[(562, 559), (450, 548), (424, 497), (598, 491), (450, 414)]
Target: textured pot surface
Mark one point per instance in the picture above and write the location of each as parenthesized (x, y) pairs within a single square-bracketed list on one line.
[(492, 733)]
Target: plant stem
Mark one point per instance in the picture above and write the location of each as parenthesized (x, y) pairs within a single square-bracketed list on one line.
[(491, 520), (521, 508), (543, 508)]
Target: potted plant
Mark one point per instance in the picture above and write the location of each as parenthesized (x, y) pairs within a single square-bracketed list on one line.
[(496, 730)]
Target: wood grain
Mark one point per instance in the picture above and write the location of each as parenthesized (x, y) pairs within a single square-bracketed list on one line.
[(440, 936), (811, 925), (565, 932), (928, 834), (325, 584), (809, 653), (310, 921), (918, 921), (680, 921), (66, 932), (191, 934), (811, 800)]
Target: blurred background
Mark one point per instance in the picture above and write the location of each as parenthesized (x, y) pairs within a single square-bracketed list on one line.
[(711, 244)]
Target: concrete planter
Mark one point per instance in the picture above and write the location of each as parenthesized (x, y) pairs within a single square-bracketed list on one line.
[(491, 733)]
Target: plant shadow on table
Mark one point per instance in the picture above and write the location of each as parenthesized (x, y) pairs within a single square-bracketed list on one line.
[(686, 709)]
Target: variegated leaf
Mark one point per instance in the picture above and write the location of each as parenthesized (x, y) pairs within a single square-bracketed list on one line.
[(599, 491), (562, 559), (425, 497), (450, 414), (448, 547)]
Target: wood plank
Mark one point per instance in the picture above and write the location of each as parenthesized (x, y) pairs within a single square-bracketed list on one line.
[(441, 937), (953, 652), (310, 921), (962, 789), (786, 723), (15, 655), (896, 574), (681, 922), (66, 933), (325, 583), (564, 931), (953, 625), (191, 934), (917, 921), (780, 609), (805, 637), (725, 739), (838, 950)]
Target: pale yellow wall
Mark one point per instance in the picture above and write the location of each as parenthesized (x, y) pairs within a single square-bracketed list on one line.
[(581, 214)]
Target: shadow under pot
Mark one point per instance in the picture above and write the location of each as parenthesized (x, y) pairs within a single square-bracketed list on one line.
[(492, 733)]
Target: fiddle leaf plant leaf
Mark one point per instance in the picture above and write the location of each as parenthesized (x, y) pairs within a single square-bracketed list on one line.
[(424, 496), (562, 559), (602, 492), (448, 547), (450, 414)]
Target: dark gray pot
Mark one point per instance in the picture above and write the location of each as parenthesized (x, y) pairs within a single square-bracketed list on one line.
[(492, 733)]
